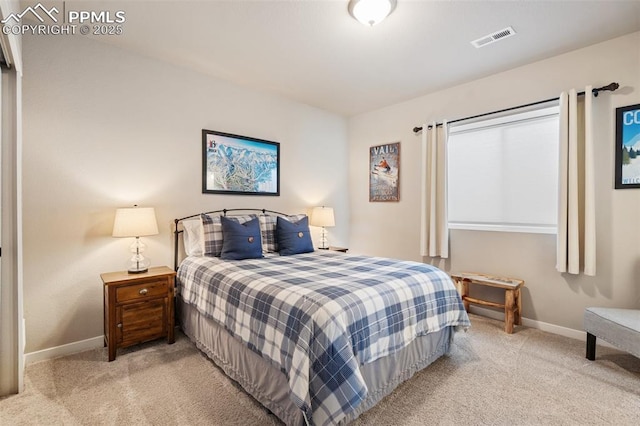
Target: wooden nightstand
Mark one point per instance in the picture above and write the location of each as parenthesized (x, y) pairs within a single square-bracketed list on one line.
[(137, 307), (333, 248)]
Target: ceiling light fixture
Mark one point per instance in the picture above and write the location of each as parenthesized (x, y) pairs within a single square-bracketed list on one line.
[(371, 12)]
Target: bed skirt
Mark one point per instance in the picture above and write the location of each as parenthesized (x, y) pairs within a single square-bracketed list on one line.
[(269, 385)]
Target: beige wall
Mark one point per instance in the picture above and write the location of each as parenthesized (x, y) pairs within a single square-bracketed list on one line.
[(392, 229), (103, 129)]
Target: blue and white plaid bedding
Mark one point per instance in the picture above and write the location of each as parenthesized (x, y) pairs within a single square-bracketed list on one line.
[(318, 316)]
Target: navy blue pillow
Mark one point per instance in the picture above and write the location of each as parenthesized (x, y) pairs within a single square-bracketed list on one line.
[(293, 238), (240, 240)]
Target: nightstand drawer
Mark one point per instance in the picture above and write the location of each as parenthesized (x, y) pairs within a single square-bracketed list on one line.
[(148, 289)]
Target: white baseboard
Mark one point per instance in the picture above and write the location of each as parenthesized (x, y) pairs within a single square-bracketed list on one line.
[(540, 325), (98, 341), (64, 350)]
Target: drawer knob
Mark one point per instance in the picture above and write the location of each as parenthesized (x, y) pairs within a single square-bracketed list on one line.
[(143, 291), (119, 325)]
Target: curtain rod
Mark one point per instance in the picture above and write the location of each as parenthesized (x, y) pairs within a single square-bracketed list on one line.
[(610, 87)]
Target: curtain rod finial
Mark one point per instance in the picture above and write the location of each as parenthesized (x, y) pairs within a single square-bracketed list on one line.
[(416, 129), (610, 87)]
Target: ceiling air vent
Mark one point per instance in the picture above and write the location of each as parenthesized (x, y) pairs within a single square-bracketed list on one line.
[(492, 38)]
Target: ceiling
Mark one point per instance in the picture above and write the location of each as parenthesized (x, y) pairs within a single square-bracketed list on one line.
[(314, 52)]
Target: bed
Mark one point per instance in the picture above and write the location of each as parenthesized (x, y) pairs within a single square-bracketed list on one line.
[(318, 337)]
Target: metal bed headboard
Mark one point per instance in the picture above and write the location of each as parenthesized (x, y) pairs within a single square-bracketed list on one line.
[(223, 212)]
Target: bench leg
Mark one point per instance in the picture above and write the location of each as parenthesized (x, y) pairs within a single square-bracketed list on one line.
[(463, 289), (509, 310), (518, 320), (591, 347)]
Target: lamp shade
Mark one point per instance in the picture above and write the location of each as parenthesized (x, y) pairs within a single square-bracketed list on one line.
[(371, 12), (322, 216), (135, 222)]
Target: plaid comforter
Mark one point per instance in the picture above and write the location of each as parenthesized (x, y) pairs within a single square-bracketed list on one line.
[(318, 316)]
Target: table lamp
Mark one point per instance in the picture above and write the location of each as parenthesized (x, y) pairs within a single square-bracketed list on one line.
[(136, 222), (322, 216)]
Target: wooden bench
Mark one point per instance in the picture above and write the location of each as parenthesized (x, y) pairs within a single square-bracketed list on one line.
[(512, 301)]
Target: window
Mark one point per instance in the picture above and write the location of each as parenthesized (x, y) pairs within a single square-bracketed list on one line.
[(503, 173)]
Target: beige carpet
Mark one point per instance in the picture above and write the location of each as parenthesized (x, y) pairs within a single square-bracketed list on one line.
[(527, 378)]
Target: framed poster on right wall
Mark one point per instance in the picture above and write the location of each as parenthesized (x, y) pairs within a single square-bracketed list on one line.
[(628, 147), (384, 172)]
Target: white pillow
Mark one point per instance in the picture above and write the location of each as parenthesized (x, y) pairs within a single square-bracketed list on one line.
[(193, 237)]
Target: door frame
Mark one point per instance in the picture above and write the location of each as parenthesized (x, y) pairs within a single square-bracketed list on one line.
[(12, 325)]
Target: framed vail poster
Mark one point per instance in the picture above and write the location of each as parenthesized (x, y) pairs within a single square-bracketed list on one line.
[(384, 172), (628, 147)]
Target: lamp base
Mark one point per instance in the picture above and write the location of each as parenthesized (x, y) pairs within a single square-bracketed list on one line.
[(323, 240), (138, 264)]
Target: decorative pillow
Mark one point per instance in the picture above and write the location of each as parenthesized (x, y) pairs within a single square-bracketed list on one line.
[(293, 237), (268, 230), (193, 237), (212, 230), (241, 240)]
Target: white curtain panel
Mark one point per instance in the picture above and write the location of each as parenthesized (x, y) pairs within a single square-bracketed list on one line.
[(576, 186), (434, 228)]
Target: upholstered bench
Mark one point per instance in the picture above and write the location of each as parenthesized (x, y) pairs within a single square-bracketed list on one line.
[(620, 327)]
